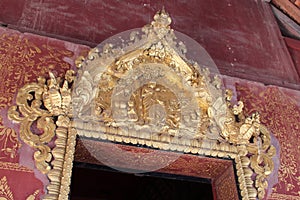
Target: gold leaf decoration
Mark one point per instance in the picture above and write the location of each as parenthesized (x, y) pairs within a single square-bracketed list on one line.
[(43, 110), (146, 92), (145, 74)]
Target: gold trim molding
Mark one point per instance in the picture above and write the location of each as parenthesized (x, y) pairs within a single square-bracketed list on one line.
[(144, 92), (44, 112)]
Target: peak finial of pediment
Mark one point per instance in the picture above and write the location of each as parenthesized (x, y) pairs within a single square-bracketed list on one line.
[(161, 19)]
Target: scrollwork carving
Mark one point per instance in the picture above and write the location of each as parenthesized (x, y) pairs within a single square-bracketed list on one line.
[(43, 110), (222, 128), (144, 92)]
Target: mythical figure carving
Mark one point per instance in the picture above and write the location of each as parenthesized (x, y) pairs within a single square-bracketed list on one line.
[(143, 92)]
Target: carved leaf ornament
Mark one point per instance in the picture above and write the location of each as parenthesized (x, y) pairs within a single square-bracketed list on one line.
[(143, 91)]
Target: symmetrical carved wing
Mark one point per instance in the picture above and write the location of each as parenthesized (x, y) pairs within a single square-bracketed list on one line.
[(142, 91)]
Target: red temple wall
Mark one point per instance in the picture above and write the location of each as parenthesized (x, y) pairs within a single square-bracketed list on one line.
[(242, 36), (27, 56), (23, 58)]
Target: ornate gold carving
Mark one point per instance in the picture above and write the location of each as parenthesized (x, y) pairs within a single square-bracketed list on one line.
[(135, 72), (43, 110), (148, 93), (176, 86), (277, 107), (239, 129)]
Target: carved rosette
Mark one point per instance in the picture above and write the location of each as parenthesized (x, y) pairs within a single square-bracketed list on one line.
[(144, 92), (43, 110)]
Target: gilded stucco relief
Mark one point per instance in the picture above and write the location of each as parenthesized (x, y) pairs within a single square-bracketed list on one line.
[(149, 73), (23, 58), (282, 114)]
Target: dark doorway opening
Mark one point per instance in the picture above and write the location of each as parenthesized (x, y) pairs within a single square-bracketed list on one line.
[(102, 183)]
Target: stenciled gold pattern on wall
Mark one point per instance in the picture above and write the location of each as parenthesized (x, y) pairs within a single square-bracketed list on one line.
[(278, 107), (146, 92), (9, 144), (18, 55), (224, 185), (23, 58), (5, 192), (47, 103)]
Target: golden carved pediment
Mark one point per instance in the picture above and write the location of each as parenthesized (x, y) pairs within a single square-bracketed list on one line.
[(144, 89), (147, 76)]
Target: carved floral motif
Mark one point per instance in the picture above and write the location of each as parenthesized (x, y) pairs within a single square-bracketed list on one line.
[(23, 58), (122, 85), (45, 106), (277, 108), (145, 92)]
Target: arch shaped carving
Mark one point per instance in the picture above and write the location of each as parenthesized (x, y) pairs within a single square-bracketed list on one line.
[(145, 91)]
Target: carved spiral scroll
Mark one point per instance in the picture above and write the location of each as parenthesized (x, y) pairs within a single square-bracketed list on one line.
[(43, 110), (143, 92)]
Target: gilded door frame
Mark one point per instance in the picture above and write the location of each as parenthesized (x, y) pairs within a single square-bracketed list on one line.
[(49, 103)]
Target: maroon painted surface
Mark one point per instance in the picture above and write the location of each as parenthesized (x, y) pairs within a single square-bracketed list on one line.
[(242, 36), (23, 58), (294, 49)]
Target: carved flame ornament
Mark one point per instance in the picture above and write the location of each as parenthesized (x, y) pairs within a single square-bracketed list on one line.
[(144, 92), (44, 111)]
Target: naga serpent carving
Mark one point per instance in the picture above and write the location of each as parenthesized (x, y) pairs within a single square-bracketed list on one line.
[(143, 92)]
